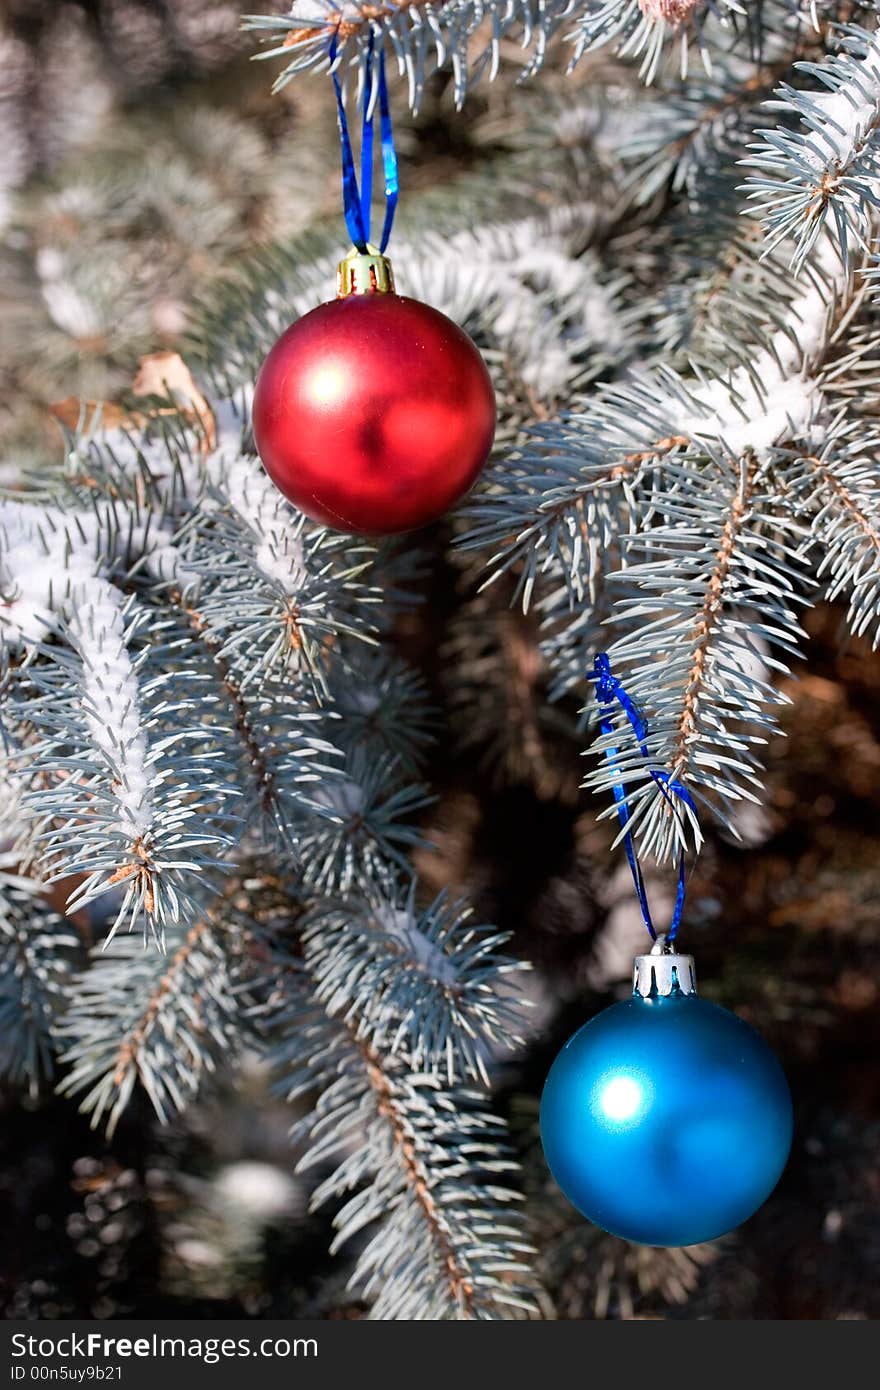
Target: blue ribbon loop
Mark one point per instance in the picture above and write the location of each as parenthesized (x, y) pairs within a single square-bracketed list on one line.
[(608, 691), (357, 200)]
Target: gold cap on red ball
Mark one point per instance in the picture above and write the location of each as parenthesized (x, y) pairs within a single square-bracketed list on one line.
[(364, 272)]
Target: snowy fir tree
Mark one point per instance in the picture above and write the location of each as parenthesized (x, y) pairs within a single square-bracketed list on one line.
[(312, 834)]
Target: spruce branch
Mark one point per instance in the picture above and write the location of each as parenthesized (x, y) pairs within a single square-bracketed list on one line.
[(498, 681), (380, 706), (37, 954), (705, 124), (281, 754), (646, 29), (823, 174), (840, 492), (421, 37), (475, 1248), (99, 717), (398, 1145), (429, 986), (713, 599), (717, 591), (558, 502), (297, 590), (469, 37), (366, 830), (162, 1022)]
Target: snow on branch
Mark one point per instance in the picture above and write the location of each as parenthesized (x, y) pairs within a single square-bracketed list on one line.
[(774, 396), (96, 629), (104, 796)]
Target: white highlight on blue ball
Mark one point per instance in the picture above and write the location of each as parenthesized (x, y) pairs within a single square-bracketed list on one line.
[(621, 1098)]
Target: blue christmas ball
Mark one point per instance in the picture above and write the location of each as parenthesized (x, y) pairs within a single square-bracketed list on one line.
[(666, 1120)]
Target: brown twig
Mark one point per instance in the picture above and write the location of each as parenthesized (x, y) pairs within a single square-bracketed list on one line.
[(662, 446), (130, 1046), (144, 871), (264, 775), (708, 619), (347, 28), (845, 497), (134, 1040), (458, 1278)]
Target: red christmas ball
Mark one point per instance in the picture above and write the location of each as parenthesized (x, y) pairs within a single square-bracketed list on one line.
[(374, 413)]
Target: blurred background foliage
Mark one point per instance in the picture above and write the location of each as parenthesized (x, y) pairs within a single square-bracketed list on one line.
[(143, 167)]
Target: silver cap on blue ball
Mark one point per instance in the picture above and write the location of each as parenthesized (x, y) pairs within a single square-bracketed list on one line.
[(663, 972)]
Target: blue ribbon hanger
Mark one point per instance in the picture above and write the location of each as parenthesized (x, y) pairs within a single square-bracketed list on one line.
[(357, 199), (608, 692)]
